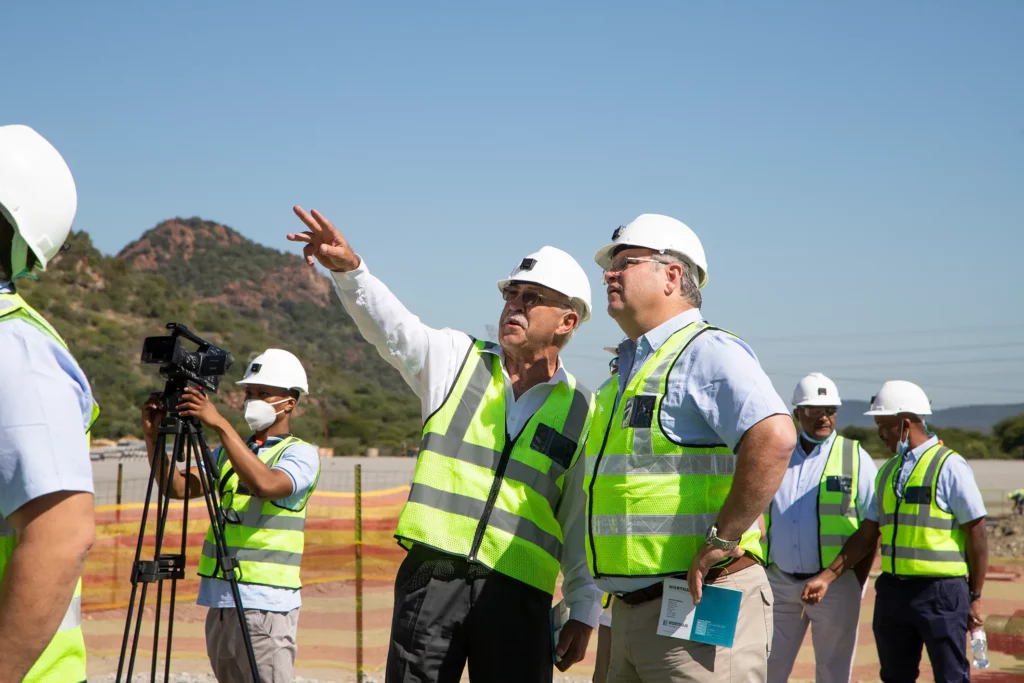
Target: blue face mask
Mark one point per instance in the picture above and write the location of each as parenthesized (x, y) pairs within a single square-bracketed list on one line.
[(903, 445), (810, 439)]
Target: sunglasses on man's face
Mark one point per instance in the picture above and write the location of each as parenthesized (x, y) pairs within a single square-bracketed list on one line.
[(820, 411), (531, 297)]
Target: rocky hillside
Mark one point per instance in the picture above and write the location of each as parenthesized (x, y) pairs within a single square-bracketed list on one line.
[(238, 294)]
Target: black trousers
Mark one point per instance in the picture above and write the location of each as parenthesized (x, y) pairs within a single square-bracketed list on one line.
[(911, 613), (448, 612)]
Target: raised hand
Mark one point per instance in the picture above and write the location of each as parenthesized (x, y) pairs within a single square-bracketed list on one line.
[(324, 242)]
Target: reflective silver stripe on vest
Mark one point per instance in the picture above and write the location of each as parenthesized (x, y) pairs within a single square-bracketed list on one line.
[(924, 512), (73, 617), (883, 481), (639, 465), (256, 555), (643, 439), (543, 484), (925, 554), (457, 504), (832, 540), (453, 443), (848, 445), (254, 517), (653, 525), (928, 522)]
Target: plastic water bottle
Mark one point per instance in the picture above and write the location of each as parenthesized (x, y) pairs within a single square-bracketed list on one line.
[(979, 648)]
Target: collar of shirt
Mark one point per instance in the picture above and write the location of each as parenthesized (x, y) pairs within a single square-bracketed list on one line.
[(914, 454), (636, 353), (560, 374), (823, 447)]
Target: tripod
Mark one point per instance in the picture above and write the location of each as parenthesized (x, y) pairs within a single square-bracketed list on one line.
[(188, 441)]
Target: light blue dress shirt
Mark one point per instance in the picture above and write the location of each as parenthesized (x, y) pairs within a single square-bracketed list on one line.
[(301, 462), (956, 491), (794, 519), (45, 408), (715, 393)]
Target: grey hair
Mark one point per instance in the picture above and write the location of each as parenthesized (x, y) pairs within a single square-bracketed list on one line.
[(688, 282)]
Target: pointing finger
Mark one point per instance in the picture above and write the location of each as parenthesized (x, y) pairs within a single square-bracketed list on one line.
[(307, 219)]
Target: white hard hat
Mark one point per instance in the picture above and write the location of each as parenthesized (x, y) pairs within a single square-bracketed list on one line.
[(555, 269), (276, 368), (898, 396), (661, 233), (816, 390), (37, 194)]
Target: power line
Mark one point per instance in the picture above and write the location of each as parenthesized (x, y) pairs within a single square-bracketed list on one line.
[(914, 364), (878, 383), (887, 333), (886, 352)]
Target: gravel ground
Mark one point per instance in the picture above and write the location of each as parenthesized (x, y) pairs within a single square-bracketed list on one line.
[(1006, 539)]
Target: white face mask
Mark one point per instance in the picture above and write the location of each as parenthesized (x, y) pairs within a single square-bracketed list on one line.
[(260, 415)]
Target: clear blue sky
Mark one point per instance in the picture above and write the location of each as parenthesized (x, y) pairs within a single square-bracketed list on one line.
[(856, 173)]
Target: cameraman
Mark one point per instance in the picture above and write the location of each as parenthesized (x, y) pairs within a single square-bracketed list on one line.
[(264, 483), (46, 409)]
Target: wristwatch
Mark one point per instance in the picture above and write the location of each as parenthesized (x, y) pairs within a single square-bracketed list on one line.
[(711, 538), (975, 596)]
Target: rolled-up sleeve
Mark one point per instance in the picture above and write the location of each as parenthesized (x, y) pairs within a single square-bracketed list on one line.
[(957, 492), (582, 597), (728, 387)]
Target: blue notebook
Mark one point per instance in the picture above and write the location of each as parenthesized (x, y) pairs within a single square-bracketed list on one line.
[(713, 621)]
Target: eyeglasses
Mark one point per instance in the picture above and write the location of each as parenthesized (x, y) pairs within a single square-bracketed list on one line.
[(819, 411), (531, 297), (623, 262)]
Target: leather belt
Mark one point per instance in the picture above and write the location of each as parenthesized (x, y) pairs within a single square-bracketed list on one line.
[(800, 577), (654, 592)]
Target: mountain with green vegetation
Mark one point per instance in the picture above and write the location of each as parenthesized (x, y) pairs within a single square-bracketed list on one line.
[(237, 294)]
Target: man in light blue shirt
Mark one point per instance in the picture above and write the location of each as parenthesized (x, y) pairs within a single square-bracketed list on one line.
[(800, 542), (930, 517), (271, 465), (714, 393), (46, 410)]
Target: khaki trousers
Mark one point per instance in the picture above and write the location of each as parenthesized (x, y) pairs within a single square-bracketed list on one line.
[(640, 655), (273, 642), (833, 623)]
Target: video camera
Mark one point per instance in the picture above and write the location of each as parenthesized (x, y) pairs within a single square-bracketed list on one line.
[(203, 367)]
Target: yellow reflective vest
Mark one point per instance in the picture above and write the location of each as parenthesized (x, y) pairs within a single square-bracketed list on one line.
[(650, 499), (267, 540), (918, 537), (837, 501), (480, 494)]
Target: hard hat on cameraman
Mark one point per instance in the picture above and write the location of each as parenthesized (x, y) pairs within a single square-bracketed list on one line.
[(898, 396), (37, 195), (277, 368), (555, 269), (816, 390), (663, 234)]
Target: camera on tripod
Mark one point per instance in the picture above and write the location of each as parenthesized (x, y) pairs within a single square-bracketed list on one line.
[(203, 367)]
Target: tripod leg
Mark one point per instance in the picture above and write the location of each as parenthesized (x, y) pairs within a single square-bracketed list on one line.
[(161, 528), (189, 450), (158, 452), (217, 524)]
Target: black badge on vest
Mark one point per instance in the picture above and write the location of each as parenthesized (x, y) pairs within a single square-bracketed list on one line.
[(638, 412), (918, 495), (838, 484), (556, 446), (255, 368), (527, 264)]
